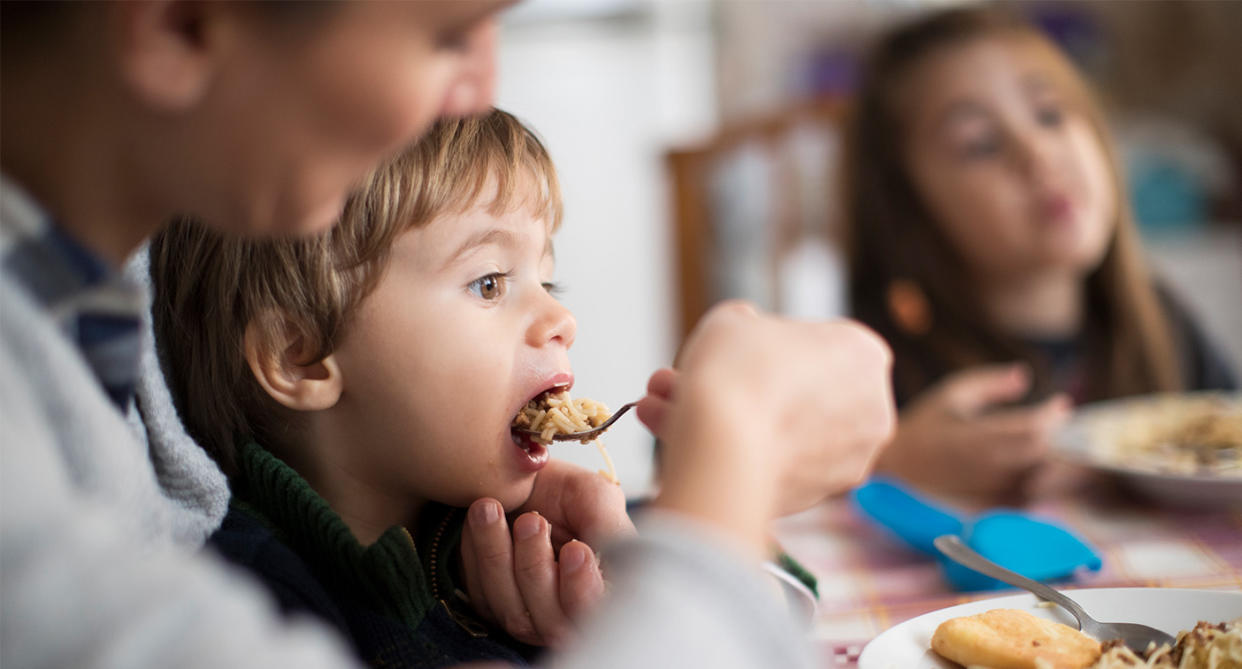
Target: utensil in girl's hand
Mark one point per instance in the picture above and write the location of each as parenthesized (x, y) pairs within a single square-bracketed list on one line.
[(1137, 637), (585, 435)]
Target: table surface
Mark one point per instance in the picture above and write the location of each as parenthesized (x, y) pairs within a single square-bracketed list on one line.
[(868, 581)]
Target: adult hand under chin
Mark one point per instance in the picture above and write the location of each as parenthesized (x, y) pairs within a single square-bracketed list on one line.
[(579, 503), (536, 577)]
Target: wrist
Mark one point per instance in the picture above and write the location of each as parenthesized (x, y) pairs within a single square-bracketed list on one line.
[(743, 526), (714, 471)]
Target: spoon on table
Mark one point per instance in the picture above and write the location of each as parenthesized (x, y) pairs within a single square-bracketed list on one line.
[(1134, 635), (585, 435)]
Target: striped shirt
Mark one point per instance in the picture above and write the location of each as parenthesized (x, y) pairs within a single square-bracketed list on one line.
[(93, 303)]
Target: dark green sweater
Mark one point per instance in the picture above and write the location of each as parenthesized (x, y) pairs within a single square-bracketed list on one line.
[(394, 603)]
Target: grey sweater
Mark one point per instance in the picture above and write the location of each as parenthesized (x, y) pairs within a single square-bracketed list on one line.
[(101, 524)]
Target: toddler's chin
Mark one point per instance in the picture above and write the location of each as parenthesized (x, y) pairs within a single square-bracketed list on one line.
[(518, 495), (511, 497)]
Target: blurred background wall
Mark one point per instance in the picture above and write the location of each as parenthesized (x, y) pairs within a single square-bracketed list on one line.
[(695, 141)]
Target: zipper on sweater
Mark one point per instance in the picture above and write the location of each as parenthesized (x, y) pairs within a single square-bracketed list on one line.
[(472, 627)]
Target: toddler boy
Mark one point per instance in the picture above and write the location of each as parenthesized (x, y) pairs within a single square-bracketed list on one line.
[(359, 387)]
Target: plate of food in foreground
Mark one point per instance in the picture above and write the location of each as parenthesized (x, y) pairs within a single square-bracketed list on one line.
[(1173, 610), (1183, 449)]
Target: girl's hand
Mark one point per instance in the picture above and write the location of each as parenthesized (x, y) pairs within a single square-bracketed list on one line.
[(953, 439), (537, 578)]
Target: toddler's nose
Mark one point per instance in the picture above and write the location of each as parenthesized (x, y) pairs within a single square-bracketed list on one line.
[(556, 323)]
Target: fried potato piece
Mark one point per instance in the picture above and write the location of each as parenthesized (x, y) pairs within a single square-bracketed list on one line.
[(1011, 639)]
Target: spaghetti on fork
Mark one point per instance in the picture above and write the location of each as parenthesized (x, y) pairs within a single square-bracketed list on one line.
[(555, 412)]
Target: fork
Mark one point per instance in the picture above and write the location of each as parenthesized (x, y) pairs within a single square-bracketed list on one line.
[(1137, 637), (585, 435)]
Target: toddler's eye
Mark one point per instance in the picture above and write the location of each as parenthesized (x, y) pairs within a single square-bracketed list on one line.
[(554, 289), (490, 287)]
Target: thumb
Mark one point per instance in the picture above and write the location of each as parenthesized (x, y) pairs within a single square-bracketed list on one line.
[(972, 390), (654, 406), (662, 383), (653, 412)]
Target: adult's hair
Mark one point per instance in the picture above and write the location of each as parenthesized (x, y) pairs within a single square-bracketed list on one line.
[(898, 252), (210, 288)]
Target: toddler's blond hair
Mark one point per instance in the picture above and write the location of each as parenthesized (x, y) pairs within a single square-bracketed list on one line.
[(209, 288)]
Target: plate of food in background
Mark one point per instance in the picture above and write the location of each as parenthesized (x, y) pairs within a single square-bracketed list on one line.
[(1173, 610), (1183, 449)]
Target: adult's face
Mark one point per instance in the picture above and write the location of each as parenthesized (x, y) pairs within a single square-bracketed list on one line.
[(282, 109)]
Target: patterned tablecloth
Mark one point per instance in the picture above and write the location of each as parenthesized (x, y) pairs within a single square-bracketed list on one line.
[(869, 582)]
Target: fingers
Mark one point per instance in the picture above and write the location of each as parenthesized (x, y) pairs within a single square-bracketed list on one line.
[(535, 567), (579, 503), (582, 583), (661, 383), (494, 560), (721, 318), (470, 569), (730, 309), (969, 391), (948, 439), (515, 578), (1017, 439), (1037, 421), (653, 412), (1004, 458), (593, 510), (654, 407), (748, 379), (984, 453)]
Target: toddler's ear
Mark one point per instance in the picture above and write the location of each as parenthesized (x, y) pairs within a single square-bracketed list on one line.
[(285, 366)]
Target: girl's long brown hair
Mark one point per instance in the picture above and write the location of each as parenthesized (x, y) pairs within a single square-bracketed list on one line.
[(893, 242)]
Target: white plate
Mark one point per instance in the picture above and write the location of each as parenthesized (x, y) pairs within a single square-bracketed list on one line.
[(1090, 439), (908, 645)]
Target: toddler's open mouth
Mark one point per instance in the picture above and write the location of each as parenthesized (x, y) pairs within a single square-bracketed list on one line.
[(523, 440), (531, 415), (522, 422), (531, 455), (552, 412), (526, 443)]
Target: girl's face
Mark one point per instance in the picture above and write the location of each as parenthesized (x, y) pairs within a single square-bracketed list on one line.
[(1006, 162), (460, 333)]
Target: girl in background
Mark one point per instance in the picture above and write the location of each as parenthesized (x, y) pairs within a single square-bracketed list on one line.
[(992, 246)]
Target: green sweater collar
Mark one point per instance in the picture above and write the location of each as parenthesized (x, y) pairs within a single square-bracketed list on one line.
[(389, 576)]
